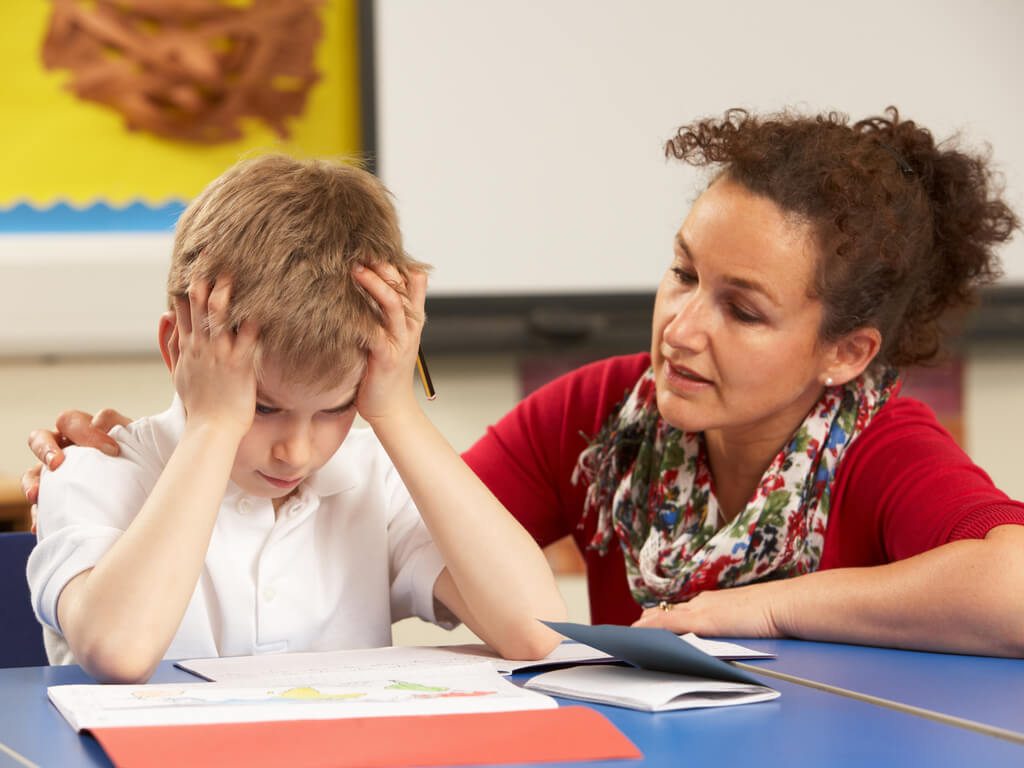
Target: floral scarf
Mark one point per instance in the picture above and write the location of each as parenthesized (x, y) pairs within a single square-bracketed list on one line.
[(650, 485)]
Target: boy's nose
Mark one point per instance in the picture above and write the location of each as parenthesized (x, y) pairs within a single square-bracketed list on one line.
[(293, 450)]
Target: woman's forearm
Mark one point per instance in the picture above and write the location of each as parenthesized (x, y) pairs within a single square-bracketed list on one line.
[(963, 597)]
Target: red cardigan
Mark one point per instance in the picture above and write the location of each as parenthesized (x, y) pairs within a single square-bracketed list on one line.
[(903, 487)]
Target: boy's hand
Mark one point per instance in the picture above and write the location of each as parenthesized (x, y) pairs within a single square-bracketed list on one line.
[(387, 388), (213, 371)]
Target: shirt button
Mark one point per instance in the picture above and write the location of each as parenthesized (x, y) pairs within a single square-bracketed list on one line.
[(245, 506), (269, 593)]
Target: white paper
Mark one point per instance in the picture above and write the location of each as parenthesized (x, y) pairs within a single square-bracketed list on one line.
[(323, 666), (418, 689), (645, 689), (723, 650), (567, 653)]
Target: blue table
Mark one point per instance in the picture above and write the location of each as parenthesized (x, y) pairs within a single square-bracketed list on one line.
[(804, 727), (975, 688)]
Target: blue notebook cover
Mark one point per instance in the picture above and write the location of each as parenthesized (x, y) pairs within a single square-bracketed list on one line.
[(650, 648)]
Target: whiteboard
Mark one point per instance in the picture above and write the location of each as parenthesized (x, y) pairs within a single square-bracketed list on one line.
[(523, 139)]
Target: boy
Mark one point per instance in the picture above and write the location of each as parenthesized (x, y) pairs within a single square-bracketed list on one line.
[(248, 518)]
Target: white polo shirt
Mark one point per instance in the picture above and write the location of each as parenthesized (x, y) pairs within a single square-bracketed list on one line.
[(346, 556)]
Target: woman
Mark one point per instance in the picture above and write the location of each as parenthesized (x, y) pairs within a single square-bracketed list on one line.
[(757, 473)]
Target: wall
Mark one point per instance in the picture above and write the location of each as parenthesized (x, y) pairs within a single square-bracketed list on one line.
[(473, 392)]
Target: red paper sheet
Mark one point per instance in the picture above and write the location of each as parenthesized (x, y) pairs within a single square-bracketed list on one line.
[(547, 735)]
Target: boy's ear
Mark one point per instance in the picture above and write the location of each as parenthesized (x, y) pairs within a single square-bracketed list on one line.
[(168, 340), (851, 355)]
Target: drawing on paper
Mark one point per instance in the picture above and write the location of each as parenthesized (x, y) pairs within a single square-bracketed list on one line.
[(377, 692)]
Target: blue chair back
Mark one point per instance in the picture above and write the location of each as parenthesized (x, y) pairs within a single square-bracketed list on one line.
[(21, 636)]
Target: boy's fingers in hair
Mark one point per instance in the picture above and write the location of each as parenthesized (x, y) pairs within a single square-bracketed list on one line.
[(217, 303), (198, 296), (182, 317), (418, 290), (390, 275), (245, 338), (390, 300)]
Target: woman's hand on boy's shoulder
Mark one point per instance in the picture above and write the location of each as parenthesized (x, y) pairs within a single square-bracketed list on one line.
[(72, 428)]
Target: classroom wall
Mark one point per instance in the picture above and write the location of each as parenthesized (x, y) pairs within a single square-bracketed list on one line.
[(473, 392)]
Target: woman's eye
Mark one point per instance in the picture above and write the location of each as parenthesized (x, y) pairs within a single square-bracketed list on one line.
[(265, 410), (684, 276), (743, 316)]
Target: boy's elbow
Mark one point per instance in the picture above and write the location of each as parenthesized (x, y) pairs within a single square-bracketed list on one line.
[(108, 661), (534, 643), (541, 645)]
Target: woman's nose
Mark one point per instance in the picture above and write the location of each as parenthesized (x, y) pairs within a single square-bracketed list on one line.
[(690, 324)]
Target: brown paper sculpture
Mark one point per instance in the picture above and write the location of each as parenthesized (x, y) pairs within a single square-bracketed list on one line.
[(188, 69)]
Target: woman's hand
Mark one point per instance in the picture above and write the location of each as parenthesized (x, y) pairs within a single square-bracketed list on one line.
[(912, 603), (387, 389), (736, 612), (212, 364), (73, 428)]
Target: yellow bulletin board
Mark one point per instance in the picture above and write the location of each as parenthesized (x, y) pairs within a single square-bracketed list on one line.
[(58, 147), (89, 194)]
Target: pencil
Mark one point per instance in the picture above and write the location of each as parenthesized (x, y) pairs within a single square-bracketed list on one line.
[(428, 385)]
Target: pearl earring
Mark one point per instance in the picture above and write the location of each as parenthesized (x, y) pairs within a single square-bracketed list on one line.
[(828, 381)]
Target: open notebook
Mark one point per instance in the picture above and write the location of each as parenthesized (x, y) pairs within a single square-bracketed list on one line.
[(665, 672)]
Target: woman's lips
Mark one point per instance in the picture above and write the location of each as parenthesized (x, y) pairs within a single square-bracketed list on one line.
[(278, 482), (679, 377)]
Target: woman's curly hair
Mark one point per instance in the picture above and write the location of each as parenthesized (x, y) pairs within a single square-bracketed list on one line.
[(908, 227)]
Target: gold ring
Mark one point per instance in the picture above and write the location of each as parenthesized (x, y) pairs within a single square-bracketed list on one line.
[(665, 605)]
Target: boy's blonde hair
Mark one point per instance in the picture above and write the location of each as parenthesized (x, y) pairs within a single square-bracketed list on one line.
[(288, 233)]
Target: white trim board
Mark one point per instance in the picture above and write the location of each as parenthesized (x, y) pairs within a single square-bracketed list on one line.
[(82, 293)]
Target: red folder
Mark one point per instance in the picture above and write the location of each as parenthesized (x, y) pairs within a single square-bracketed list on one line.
[(533, 736)]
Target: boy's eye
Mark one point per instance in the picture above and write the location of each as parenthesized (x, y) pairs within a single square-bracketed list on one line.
[(340, 409), (266, 410)]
